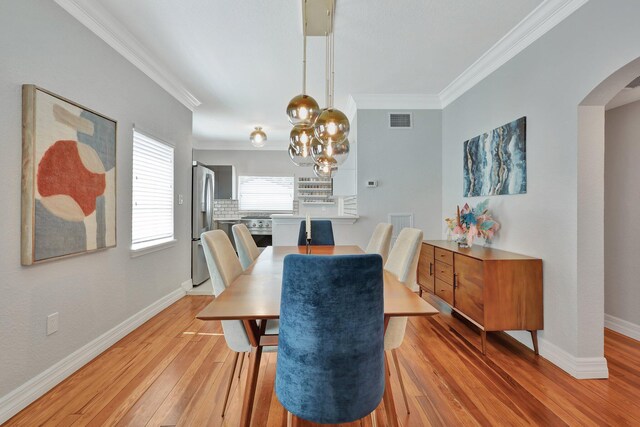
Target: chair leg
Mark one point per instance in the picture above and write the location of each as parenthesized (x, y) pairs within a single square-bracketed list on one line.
[(241, 362), (231, 375), (289, 419), (374, 421), (404, 392), (388, 367)]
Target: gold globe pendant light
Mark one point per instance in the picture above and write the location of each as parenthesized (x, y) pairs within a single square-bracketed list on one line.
[(337, 151), (301, 136), (300, 156), (323, 171), (303, 110), (332, 126)]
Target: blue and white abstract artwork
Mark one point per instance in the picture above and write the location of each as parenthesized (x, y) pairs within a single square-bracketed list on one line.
[(495, 163)]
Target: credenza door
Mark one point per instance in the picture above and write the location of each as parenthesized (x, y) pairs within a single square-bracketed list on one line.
[(469, 287)]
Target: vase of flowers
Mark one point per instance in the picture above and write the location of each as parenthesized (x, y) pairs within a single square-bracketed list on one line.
[(470, 223)]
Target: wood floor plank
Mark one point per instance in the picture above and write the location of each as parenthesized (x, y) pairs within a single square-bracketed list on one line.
[(173, 370)]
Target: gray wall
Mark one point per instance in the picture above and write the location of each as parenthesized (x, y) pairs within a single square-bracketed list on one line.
[(408, 166), (622, 228), (40, 43), (546, 82)]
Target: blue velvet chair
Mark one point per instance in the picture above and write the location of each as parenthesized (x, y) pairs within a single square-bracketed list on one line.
[(321, 233), (330, 366)]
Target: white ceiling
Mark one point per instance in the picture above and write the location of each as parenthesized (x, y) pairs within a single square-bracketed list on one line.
[(242, 59)]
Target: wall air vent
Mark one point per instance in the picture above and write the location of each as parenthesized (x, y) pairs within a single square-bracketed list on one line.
[(399, 120), (634, 84)]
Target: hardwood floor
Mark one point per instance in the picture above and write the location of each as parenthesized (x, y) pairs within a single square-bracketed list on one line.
[(173, 371)]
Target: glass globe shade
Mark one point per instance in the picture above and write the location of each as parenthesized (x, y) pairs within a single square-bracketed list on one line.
[(300, 157), (301, 136), (337, 151), (258, 138), (323, 171), (331, 126), (303, 110)]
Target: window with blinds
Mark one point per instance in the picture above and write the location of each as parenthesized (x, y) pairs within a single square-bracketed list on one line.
[(265, 193), (152, 192)]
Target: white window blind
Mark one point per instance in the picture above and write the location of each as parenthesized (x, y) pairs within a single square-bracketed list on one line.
[(152, 192), (265, 193)]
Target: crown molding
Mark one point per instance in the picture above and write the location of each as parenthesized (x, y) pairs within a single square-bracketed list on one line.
[(102, 24), (412, 101), (541, 20)]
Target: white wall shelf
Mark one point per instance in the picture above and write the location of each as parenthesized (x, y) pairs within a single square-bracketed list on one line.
[(315, 191)]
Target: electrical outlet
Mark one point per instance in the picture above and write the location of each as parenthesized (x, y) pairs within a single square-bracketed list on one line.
[(52, 323), (180, 199)]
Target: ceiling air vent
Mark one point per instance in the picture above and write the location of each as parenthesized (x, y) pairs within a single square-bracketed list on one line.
[(634, 84), (400, 120)]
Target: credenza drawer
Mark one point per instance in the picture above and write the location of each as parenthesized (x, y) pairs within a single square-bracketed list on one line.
[(444, 272), (444, 256), (444, 291)]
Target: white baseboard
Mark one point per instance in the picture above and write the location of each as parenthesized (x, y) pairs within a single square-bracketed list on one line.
[(28, 392), (622, 326), (204, 288), (187, 285), (579, 367)]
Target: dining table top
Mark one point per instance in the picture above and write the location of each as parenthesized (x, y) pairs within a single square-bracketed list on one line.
[(255, 294)]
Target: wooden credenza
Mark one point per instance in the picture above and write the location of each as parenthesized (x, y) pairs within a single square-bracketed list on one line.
[(493, 289)]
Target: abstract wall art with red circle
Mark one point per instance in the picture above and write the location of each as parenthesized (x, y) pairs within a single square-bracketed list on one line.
[(68, 178)]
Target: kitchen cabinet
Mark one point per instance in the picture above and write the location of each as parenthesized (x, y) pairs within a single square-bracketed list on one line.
[(494, 290)]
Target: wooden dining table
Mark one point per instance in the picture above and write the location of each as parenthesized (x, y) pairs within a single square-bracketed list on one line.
[(254, 298)]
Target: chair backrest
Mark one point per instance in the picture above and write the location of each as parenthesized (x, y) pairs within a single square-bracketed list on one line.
[(380, 241), (402, 263), (247, 249), (224, 268), (330, 366), (321, 233)]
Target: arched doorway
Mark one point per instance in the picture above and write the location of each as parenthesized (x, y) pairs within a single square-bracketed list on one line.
[(590, 207)]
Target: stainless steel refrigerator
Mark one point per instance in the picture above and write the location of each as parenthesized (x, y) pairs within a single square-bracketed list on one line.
[(201, 219)]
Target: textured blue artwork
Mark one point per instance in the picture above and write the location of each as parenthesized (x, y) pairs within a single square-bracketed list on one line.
[(495, 163)]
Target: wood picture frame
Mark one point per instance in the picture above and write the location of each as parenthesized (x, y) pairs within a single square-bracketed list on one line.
[(68, 178)]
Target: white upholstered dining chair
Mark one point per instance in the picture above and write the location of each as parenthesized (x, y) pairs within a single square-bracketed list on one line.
[(402, 263), (247, 249), (380, 241), (224, 268)]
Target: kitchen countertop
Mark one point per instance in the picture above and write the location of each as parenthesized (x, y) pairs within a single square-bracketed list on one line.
[(295, 219)]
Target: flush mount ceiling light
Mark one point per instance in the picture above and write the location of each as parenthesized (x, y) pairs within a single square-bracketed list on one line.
[(258, 138), (319, 137)]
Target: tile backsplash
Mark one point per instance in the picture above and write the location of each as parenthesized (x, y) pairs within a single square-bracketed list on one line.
[(227, 208)]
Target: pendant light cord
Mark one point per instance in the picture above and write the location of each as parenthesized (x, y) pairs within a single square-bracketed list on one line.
[(304, 54)]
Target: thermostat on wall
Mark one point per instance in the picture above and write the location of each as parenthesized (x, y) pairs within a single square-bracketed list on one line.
[(372, 183)]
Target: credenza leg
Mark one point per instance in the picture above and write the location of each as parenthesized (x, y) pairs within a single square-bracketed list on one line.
[(483, 338), (534, 338)]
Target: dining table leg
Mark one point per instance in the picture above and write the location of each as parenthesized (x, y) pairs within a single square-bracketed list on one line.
[(387, 397), (253, 332), (250, 389)]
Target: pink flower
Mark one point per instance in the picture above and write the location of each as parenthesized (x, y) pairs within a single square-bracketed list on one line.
[(458, 230)]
